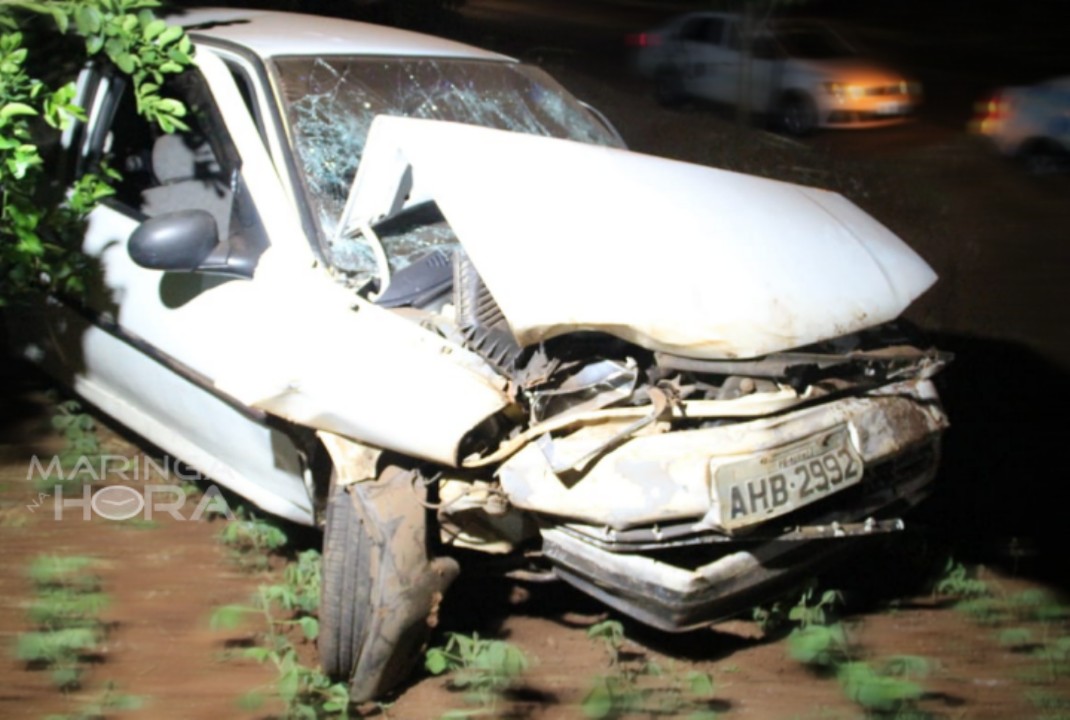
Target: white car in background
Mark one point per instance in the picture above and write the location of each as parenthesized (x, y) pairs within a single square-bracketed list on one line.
[(417, 294), (802, 74), (1030, 123)]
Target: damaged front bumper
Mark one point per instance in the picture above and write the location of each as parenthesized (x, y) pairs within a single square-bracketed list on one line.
[(648, 529)]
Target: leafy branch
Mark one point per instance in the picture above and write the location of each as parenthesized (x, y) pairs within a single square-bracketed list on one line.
[(38, 229)]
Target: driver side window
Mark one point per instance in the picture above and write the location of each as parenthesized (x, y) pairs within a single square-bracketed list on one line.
[(198, 168), (167, 172)]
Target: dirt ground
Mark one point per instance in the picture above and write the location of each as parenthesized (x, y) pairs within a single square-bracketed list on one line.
[(998, 241), (164, 579)]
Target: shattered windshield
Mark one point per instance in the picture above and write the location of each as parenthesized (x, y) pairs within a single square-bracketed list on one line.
[(330, 103)]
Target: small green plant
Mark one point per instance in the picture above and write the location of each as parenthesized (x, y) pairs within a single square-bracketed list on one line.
[(1037, 623), (806, 612), (814, 641), (251, 540), (957, 581), (823, 646), (611, 634), (483, 669), (65, 613), (305, 691), (642, 687), (1044, 700), (103, 704), (300, 590), (81, 450), (61, 650), (886, 687), (771, 617)]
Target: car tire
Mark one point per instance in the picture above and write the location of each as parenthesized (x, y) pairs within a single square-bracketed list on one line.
[(380, 593), (797, 115), (669, 87)]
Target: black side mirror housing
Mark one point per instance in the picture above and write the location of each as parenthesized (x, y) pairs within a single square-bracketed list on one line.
[(179, 241)]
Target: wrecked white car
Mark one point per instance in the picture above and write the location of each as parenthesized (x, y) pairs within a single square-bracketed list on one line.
[(418, 294)]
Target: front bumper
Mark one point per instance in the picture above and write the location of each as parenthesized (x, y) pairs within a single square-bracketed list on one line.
[(693, 579), (866, 112), (643, 529)]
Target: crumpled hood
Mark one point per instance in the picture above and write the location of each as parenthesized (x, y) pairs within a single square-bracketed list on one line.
[(672, 256)]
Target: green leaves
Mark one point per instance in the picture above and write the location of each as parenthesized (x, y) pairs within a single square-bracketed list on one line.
[(14, 109), (140, 45), (228, 617), (818, 645), (483, 669), (252, 540), (875, 690), (639, 687), (65, 613)]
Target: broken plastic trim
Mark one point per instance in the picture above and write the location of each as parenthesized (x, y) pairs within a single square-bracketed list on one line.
[(888, 362), (595, 386), (751, 406)]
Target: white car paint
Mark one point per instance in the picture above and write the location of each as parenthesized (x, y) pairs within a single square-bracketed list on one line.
[(761, 265), (239, 376)]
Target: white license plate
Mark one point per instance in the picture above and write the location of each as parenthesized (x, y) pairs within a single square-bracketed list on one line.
[(889, 108), (778, 481)]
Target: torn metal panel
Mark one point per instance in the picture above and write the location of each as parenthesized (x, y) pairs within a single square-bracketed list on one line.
[(595, 386), (353, 461), (475, 515), (755, 405), (751, 266), (666, 477), (330, 378)]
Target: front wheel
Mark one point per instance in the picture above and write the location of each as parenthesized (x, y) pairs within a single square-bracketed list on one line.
[(379, 590), (797, 115), (669, 87)]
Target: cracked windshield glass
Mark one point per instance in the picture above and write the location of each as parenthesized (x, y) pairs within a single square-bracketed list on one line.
[(331, 101)]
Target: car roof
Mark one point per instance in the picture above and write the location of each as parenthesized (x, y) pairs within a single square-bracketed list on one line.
[(268, 34)]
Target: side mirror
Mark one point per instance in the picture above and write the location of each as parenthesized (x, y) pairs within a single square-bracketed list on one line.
[(179, 241)]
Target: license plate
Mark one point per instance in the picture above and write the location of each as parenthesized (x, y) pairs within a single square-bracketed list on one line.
[(889, 108), (781, 480)]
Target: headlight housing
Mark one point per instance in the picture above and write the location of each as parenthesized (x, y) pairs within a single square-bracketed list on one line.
[(844, 90)]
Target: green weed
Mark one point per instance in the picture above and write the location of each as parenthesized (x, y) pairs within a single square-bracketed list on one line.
[(64, 613), (957, 581), (1035, 618), (482, 669), (642, 687), (300, 590), (81, 447), (885, 687), (819, 645), (814, 641), (251, 540), (102, 705), (305, 691), (1043, 700)]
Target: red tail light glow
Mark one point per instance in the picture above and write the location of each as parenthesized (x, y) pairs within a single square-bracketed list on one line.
[(642, 40)]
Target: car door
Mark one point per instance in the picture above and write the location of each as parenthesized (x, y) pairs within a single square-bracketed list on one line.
[(148, 345)]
